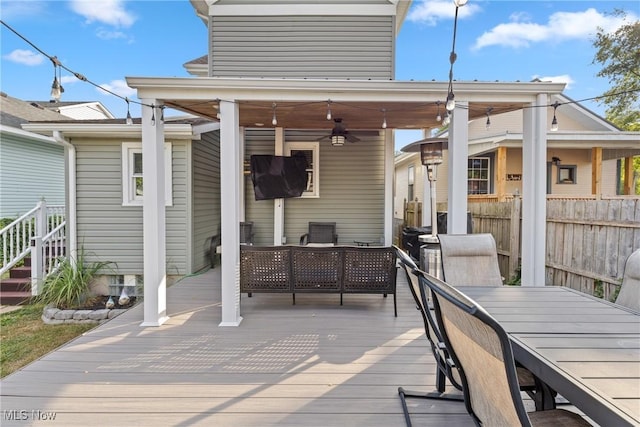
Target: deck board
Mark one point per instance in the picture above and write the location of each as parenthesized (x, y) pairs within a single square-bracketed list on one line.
[(315, 363)]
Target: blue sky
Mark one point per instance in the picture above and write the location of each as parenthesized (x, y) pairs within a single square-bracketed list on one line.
[(108, 40)]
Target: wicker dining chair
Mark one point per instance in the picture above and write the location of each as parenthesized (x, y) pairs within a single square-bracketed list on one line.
[(320, 232), (482, 352)]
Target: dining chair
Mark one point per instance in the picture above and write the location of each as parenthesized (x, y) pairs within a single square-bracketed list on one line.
[(481, 351), (470, 260), (629, 295), (445, 367), (320, 233), (444, 364)]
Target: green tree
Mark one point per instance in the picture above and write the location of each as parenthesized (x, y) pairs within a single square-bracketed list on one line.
[(619, 54)]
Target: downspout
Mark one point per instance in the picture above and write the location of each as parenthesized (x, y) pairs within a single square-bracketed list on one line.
[(70, 151)]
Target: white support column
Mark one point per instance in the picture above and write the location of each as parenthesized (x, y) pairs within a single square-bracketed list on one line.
[(230, 206), (458, 161), (389, 169), (534, 198), (241, 177), (278, 204), (153, 216)]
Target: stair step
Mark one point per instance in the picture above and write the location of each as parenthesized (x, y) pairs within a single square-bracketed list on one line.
[(20, 284), (14, 297), (20, 272), (27, 261)]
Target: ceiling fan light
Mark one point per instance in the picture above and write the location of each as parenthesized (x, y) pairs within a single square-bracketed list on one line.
[(337, 140)]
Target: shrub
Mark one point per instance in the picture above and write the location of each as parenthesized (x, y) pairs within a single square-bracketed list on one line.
[(69, 286)]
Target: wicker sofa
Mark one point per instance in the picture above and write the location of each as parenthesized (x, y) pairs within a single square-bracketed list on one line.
[(304, 269)]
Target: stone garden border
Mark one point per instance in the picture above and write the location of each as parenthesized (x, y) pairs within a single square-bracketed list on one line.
[(54, 316)]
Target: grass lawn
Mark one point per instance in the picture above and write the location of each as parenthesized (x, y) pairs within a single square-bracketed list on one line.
[(24, 337)]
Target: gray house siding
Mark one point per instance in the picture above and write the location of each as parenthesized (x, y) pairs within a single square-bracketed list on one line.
[(351, 193), (356, 47), (109, 231), (206, 196), (30, 170)]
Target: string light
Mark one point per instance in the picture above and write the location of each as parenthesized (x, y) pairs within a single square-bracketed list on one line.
[(129, 119), (438, 116), (384, 118), (554, 122), (488, 124), (329, 110), (451, 102), (153, 114), (56, 87), (447, 119), (274, 120)]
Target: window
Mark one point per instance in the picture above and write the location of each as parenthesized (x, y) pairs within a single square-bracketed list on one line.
[(411, 178), (478, 175), (311, 151), (567, 174), (132, 179)]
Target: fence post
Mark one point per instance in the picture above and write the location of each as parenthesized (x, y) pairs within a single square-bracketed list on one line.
[(37, 252), (514, 233)]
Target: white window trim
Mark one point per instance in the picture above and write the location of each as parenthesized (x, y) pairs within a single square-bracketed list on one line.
[(129, 197), (313, 146)]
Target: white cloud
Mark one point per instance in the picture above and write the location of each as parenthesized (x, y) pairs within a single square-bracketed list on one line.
[(25, 57), (431, 11), (22, 9), (118, 87), (560, 26), (105, 34), (110, 12), (563, 78)]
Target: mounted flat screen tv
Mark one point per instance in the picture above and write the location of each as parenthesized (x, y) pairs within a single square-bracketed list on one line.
[(278, 177)]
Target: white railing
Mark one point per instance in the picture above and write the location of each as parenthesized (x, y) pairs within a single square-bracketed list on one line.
[(39, 233)]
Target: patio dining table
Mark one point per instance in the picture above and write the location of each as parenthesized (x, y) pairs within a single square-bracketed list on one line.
[(585, 348)]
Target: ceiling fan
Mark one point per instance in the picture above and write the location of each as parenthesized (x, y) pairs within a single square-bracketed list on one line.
[(339, 134)]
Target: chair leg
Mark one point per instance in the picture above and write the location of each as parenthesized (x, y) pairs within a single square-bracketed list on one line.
[(395, 305), (404, 394)]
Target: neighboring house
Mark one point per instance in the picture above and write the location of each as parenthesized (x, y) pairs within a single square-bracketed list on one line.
[(31, 165), (274, 72), (79, 110), (584, 147)]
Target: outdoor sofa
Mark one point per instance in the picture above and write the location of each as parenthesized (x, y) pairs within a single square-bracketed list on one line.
[(305, 269)]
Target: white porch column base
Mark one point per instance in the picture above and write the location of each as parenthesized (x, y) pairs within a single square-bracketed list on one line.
[(458, 165), (534, 192), (230, 193), (153, 214)]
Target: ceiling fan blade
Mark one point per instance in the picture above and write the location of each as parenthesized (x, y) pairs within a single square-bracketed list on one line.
[(324, 138), (351, 138)]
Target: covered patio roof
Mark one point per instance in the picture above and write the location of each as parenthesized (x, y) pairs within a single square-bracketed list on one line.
[(362, 104)]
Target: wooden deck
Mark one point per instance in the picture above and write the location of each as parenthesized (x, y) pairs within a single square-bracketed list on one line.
[(313, 364)]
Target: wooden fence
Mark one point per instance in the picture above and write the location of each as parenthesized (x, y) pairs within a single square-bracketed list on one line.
[(587, 244)]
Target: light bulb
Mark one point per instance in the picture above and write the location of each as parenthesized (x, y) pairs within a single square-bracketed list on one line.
[(554, 124), (446, 120), (129, 118), (451, 102), (56, 90), (329, 110), (439, 117), (460, 3)]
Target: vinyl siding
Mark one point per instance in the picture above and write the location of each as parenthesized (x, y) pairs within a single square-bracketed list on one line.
[(109, 231), (206, 196), (357, 47), (29, 171), (351, 191)]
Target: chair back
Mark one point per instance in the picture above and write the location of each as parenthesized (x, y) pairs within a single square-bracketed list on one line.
[(629, 295), (481, 350), (470, 260), (321, 232), (420, 295), (246, 233)]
